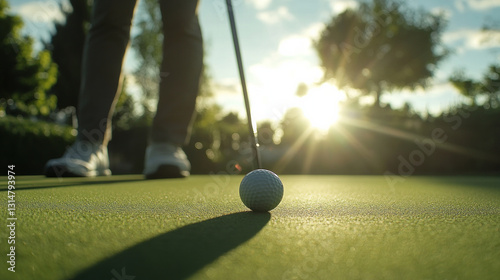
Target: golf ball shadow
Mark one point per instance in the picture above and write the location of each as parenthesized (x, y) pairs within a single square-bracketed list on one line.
[(180, 253), (261, 190)]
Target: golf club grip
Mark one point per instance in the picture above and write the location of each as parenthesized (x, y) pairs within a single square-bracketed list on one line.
[(253, 134)]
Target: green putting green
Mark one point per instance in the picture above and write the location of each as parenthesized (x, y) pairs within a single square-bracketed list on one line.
[(326, 227)]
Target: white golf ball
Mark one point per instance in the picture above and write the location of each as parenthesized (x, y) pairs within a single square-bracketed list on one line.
[(261, 190)]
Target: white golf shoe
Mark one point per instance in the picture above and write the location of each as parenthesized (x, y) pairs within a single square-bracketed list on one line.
[(82, 159), (165, 160)]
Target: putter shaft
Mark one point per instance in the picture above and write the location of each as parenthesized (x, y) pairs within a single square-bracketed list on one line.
[(253, 134)]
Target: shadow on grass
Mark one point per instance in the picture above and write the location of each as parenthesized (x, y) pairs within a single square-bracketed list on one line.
[(39, 182), (180, 253)]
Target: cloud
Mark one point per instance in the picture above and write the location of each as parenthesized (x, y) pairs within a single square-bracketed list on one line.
[(338, 6), (272, 17), (314, 30), (301, 43), (275, 84), (40, 11), (229, 95), (478, 5), (473, 38), (285, 73), (227, 86), (442, 11), (274, 80), (459, 5), (295, 45), (481, 5), (259, 4)]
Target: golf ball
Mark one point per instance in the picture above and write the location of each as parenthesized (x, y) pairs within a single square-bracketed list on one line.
[(261, 190)]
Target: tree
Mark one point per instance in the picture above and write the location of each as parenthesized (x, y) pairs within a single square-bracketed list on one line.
[(266, 133), (66, 47), (465, 86), (294, 125), (487, 88), (25, 77), (124, 116), (148, 47), (380, 47), (490, 30)]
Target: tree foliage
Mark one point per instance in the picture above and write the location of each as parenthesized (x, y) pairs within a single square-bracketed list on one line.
[(25, 76), (381, 46), (487, 88), (147, 44), (67, 46), (124, 115)]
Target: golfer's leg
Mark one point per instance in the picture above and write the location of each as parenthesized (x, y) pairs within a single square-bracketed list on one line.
[(104, 51), (180, 71)]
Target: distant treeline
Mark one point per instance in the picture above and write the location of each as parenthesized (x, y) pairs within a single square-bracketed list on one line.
[(373, 140), (381, 141)]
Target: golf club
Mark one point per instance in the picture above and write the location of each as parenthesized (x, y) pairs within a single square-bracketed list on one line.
[(253, 134)]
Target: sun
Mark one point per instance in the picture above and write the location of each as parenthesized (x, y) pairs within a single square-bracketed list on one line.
[(321, 106)]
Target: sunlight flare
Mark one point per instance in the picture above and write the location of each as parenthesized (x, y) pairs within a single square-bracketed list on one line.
[(321, 106)]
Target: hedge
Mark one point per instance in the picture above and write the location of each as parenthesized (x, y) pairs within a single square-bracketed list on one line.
[(28, 144)]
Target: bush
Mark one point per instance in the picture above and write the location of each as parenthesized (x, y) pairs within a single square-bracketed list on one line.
[(28, 144)]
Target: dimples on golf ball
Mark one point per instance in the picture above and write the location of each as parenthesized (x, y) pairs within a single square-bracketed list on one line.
[(261, 190)]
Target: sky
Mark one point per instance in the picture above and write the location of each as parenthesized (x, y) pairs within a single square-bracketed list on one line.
[(276, 43)]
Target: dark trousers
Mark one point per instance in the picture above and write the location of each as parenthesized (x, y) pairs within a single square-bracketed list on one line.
[(104, 52)]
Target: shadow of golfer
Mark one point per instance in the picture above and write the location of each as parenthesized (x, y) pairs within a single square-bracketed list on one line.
[(39, 182), (180, 253)]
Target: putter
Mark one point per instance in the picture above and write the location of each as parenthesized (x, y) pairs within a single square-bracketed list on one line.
[(253, 133)]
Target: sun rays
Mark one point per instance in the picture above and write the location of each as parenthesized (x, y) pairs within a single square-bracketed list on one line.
[(307, 152), (321, 106)]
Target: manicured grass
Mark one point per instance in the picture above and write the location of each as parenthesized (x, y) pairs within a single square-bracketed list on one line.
[(327, 227)]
